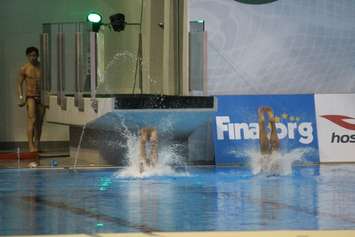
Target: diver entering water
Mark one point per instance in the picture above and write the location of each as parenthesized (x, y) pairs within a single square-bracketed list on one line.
[(267, 145), (151, 135)]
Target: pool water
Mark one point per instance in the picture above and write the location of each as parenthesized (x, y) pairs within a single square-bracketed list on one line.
[(62, 201)]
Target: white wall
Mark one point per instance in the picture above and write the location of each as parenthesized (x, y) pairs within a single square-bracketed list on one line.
[(335, 127), (286, 46)]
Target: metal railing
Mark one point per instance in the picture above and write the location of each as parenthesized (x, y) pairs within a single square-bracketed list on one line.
[(69, 74)]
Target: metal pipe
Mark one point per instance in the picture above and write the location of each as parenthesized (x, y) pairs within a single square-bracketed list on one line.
[(205, 61), (93, 69), (45, 77), (61, 69), (133, 24), (78, 71), (140, 61), (78, 68)]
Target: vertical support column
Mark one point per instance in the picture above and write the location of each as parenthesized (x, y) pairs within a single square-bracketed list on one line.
[(45, 71), (78, 97), (198, 58), (152, 50), (184, 46), (175, 48), (169, 77), (140, 62), (93, 69), (205, 64), (61, 100)]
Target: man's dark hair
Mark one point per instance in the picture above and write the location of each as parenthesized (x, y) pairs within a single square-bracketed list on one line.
[(32, 49)]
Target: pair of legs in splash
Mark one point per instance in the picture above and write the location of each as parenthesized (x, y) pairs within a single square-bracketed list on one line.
[(267, 144), (148, 135)]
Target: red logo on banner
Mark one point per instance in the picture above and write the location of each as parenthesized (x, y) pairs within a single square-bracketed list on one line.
[(340, 120)]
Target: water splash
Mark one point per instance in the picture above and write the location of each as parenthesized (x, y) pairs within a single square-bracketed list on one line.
[(275, 164), (168, 157), (121, 58), (124, 60), (78, 147)]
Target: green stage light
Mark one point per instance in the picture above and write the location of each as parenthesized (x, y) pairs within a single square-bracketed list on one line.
[(94, 17)]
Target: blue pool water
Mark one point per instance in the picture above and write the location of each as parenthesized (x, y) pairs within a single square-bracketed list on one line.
[(61, 201)]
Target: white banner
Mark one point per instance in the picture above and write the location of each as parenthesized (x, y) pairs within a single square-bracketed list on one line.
[(336, 127)]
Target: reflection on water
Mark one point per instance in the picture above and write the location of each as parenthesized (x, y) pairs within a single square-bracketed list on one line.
[(106, 200)]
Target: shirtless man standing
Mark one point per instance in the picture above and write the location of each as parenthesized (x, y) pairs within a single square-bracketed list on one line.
[(30, 74)]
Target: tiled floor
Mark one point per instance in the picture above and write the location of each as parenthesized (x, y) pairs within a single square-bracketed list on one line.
[(45, 160), (51, 160)]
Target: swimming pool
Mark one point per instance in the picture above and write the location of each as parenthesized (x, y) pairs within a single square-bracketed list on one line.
[(62, 201)]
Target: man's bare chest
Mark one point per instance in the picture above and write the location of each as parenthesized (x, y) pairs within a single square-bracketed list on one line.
[(32, 73)]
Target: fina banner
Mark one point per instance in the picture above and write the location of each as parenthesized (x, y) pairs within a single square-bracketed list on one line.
[(336, 127), (247, 125)]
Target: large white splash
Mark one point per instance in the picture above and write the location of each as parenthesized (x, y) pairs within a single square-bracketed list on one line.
[(277, 163), (121, 58), (168, 157)]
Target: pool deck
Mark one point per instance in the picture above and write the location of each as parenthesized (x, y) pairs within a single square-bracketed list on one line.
[(328, 233)]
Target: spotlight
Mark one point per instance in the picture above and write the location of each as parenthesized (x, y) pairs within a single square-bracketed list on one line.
[(94, 17), (118, 22), (95, 20)]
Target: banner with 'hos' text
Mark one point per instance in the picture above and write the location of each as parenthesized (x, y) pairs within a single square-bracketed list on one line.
[(336, 127)]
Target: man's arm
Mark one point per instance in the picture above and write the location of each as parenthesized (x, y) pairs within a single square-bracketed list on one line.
[(20, 80)]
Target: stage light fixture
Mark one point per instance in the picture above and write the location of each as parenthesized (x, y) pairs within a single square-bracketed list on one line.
[(96, 20), (94, 17), (117, 22)]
